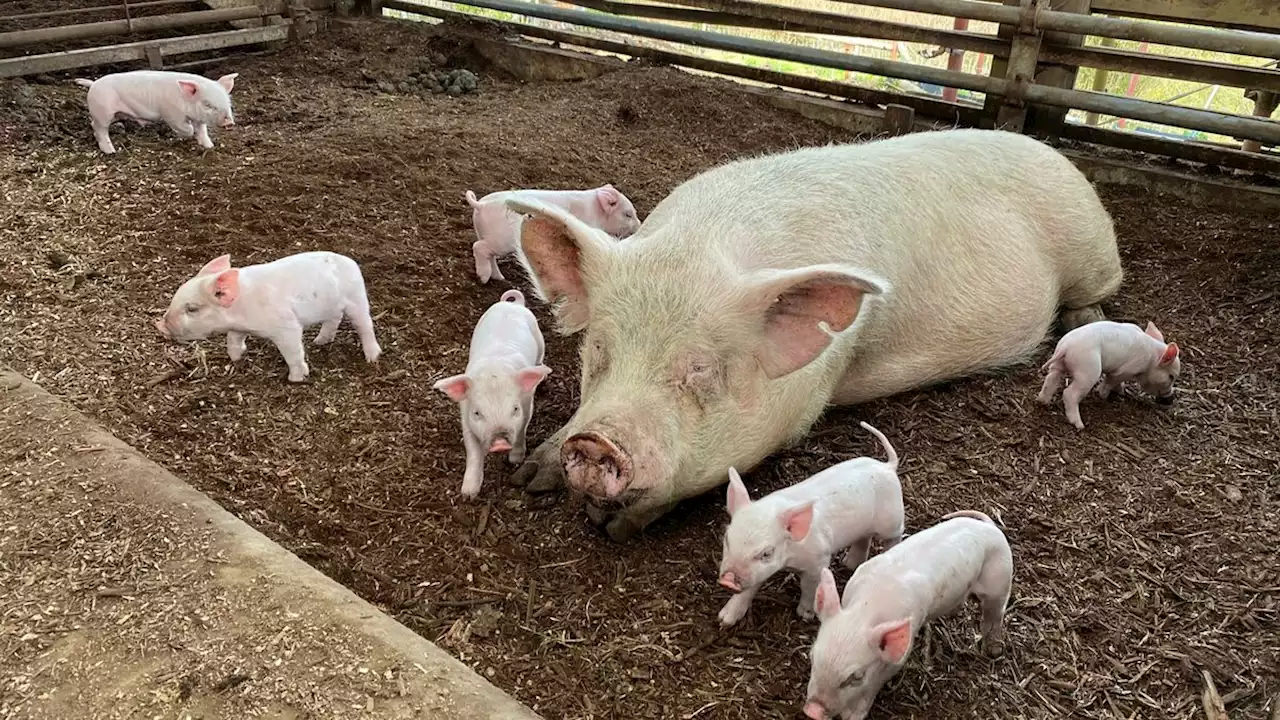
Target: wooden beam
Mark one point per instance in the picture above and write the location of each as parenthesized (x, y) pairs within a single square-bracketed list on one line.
[(72, 59), (1050, 120), (1195, 152), (953, 113), (1239, 14)]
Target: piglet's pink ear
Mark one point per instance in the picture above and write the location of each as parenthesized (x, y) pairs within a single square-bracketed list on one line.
[(228, 82), (215, 266), (737, 496), (529, 378), (798, 520), (826, 601), (226, 287), (608, 197), (1170, 354), (188, 87), (1154, 331), (892, 640), (455, 387)]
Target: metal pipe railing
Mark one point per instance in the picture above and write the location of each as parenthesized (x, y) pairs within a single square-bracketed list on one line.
[(1232, 125)]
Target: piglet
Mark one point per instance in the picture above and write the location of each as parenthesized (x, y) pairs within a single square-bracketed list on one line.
[(275, 301), (802, 526), (498, 228), (891, 596), (1120, 351), (496, 392), (187, 103)]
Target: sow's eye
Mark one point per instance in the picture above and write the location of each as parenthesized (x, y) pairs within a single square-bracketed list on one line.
[(854, 678), (765, 555), (701, 375), (192, 309), (595, 357)]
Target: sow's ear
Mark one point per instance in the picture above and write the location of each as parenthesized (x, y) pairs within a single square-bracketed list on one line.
[(801, 309), (563, 256)]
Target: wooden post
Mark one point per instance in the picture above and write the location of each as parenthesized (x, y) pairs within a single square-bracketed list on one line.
[(1264, 103), (898, 119), (1100, 77), (155, 59), (1046, 119), (1020, 71)]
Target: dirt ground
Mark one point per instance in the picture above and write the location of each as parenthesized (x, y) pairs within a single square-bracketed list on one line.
[(1144, 546)]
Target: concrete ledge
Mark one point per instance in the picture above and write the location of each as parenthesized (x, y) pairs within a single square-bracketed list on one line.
[(135, 595)]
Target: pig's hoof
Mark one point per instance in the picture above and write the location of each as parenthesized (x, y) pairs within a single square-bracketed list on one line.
[(1074, 318), (544, 478), (730, 615), (805, 613), (372, 355), (993, 646), (515, 458), (621, 529)]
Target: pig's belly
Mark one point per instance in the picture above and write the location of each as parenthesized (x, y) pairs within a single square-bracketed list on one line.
[(318, 305), (138, 109), (949, 338)]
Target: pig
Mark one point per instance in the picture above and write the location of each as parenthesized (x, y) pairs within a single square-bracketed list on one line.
[(275, 301), (498, 229), (864, 640), (763, 291), (1120, 351), (187, 103), (801, 526), (495, 394)]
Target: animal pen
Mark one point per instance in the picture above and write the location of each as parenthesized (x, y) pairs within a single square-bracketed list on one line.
[(1145, 566), (1030, 86)]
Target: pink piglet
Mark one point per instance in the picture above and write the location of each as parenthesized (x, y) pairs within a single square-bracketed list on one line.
[(1119, 351)]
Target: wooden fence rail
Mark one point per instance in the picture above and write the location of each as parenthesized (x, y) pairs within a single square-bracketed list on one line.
[(1248, 128)]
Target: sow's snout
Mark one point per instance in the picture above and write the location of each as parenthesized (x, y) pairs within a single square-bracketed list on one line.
[(595, 466)]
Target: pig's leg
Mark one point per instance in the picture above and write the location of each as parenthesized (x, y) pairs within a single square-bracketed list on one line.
[(497, 272), (993, 588), (542, 471), (474, 475), (857, 553), (1106, 387), (235, 345), (357, 311), (289, 342), (737, 607), (628, 523), (484, 260), (516, 456), (1085, 373), (180, 124), (202, 136), (101, 120), (1052, 382), (809, 579), (328, 331)]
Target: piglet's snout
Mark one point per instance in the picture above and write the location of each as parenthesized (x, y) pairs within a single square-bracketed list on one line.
[(226, 121), (595, 466), (162, 327), (499, 444), (814, 710), (730, 582)]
